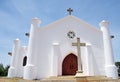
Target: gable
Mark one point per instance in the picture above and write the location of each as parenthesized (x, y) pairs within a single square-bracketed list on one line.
[(69, 18), (59, 29)]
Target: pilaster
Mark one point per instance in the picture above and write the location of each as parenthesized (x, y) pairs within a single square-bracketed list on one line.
[(12, 72), (55, 63), (30, 70)]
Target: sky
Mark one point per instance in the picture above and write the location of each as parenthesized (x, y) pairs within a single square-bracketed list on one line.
[(16, 15)]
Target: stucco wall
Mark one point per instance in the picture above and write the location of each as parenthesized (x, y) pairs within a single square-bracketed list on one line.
[(57, 33)]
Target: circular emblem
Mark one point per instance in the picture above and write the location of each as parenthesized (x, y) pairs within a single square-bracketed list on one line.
[(71, 34)]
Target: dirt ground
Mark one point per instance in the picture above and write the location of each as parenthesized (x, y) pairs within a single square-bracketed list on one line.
[(5, 79)]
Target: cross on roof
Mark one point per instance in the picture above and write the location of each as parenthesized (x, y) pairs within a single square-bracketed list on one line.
[(70, 10)]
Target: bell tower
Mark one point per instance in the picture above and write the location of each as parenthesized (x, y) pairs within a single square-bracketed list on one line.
[(110, 68)]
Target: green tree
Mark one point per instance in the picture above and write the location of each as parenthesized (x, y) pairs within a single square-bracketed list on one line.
[(4, 71), (118, 65), (1, 70)]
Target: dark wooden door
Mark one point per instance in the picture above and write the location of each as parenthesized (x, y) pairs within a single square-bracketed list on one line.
[(69, 65)]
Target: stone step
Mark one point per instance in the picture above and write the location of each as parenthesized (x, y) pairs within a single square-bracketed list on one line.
[(97, 77), (62, 77)]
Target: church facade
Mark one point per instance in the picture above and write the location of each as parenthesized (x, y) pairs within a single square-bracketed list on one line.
[(64, 47)]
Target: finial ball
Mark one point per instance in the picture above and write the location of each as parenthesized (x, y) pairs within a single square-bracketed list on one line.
[(35, 21), (17, 41), (104, 23)]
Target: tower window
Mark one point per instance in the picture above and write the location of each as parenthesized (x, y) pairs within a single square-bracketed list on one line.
[(25, 61)]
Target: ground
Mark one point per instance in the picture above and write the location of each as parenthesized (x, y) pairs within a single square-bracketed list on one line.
[(60, 79)]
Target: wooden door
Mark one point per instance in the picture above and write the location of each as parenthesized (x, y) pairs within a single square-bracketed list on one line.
[(70, 65)]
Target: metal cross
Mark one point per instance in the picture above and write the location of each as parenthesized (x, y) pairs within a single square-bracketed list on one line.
[(70, 10), (78, 44)]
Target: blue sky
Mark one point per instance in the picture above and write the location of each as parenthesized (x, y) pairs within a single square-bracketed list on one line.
[(15, 18)]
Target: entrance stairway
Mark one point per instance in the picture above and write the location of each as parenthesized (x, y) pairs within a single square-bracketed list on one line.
[(82, 79)]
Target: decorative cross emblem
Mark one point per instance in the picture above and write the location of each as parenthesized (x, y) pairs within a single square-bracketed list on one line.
[(70, 10), (71, 34), (78, 44)]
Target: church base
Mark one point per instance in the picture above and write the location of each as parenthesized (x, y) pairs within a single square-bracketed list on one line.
[(111, 71), (80, 74), (12, 72), (30, 72)]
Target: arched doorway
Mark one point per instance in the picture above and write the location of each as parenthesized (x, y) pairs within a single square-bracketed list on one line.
[(70, 65)]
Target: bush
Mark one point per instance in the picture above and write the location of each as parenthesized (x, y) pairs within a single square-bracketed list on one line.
[(3, 71), (118, 65)]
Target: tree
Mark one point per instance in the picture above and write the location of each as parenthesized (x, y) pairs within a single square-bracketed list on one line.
[(118, 65), (1, 70), (4, 71)]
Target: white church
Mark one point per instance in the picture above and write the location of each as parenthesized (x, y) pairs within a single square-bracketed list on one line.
[(68, 46)]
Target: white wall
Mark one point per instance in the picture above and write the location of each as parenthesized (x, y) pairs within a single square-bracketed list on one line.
[(57, 33)]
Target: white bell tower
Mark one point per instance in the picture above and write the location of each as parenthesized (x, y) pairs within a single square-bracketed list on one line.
[(110, 68)]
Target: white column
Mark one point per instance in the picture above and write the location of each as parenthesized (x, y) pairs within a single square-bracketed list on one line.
[(30, 70), (56, 53), (110, 68), (32, 40), (14, 61), (90, 60), (22, 54)]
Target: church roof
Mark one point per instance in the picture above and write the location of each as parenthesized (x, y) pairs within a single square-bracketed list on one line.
[(70, 17)]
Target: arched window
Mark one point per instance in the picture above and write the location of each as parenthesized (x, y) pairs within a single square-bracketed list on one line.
[(25, 61)]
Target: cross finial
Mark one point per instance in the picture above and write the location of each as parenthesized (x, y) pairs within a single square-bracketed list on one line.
[(70, 10)]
